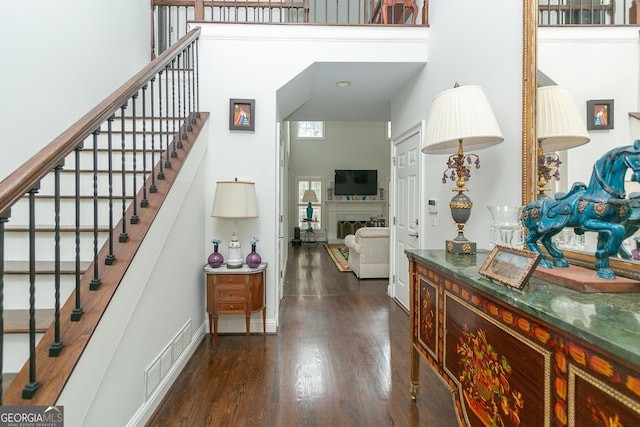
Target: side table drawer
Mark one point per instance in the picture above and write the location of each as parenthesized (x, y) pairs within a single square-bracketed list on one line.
[(231, 307), (230, 293), (228, 279)]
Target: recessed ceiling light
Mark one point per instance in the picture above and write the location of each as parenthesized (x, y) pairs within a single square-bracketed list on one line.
[(343, 83)]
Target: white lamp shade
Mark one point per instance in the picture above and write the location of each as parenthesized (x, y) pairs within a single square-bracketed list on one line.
[(309, 196), (235, 199), (462, 113), (560, 126)]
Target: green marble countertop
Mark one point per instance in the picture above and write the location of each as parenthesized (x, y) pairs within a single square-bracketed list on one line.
[(611, 321)]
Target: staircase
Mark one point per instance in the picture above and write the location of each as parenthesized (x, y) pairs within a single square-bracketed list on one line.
[(74, 215), (17, 274)]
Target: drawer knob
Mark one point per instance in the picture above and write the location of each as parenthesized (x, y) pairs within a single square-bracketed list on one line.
[(231, 307)]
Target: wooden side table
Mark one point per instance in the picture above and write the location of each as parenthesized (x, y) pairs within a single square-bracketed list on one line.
[(235, 291)]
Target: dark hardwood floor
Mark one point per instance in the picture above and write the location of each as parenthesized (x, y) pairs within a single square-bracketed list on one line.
[(340, 358)]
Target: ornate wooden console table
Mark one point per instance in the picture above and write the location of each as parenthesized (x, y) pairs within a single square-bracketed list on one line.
[(542, 356)]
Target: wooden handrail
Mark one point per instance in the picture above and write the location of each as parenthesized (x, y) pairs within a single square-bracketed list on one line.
[(574, 6), (29, 174)]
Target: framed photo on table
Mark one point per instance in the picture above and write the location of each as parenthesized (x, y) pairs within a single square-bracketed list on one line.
[(599, 114), (509, 266), (242, 114)]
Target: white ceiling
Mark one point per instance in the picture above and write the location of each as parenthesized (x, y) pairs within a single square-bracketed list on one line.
[(313, 94)]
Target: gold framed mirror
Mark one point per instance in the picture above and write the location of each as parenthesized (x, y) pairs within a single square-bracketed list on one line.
[(621, 267), (529, 84)]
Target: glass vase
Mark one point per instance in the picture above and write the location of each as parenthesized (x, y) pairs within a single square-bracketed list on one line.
[(253, 259), (215, 259), (506, 229)]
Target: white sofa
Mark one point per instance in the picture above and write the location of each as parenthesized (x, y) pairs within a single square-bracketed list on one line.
[(369, 252)]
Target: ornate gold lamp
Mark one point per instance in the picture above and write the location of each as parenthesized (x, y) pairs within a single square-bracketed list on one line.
[(235, 200), (560, 127), (461, 116)]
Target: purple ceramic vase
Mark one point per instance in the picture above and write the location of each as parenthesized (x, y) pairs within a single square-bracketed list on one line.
[(215, 259), (253, 259)]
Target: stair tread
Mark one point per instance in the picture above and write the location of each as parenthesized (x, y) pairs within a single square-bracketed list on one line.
[(7, 378), (17, 320), (82, 197), (44, 267), (51, 228)]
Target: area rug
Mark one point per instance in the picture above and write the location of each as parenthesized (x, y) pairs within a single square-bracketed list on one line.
[(339, 254)]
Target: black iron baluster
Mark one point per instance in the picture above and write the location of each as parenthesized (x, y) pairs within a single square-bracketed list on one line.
[(152, 187), (160, 120), (197, 72), (167, 163), (169, 26), (134, 216), (173, 108), (192, 118), (123, 235), (32, 386), (95, 282), (111, 257), (178, 22), (77, 312), (4, 217), (56, 345), (180, 112), (144, 202)]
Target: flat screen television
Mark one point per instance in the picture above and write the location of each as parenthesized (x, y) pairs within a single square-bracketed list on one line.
[(350, 182)]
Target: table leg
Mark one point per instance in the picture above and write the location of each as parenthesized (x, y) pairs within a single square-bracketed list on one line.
[(414, 386), (264, 321), (248, 321), (215, 329)]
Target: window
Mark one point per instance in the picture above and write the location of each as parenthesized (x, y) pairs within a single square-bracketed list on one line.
[(315, 184), (310, 130)]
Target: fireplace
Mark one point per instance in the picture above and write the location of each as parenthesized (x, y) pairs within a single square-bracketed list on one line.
[(349, 227), (344, 217)]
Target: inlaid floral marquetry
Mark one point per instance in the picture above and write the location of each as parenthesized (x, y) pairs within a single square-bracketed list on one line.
[(512, 360)]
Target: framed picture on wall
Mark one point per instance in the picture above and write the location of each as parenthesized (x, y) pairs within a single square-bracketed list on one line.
[(242, 114), (600, 114)]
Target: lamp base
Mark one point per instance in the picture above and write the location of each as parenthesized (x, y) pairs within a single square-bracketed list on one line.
[(461, 246), (232, 266), (235, 259)]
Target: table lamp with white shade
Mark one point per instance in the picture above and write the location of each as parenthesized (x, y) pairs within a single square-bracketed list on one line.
[(459, 117), (235, 200), (560, 127), (309, 196)]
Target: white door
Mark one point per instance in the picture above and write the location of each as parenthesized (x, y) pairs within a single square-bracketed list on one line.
[(405, 204), (282, 190)]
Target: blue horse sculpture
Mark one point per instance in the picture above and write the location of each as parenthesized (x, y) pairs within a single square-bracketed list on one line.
[(601, 206)]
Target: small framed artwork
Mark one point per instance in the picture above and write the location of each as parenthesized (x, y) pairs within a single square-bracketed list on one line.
[(600, 114), (242, 114), (509, 266)]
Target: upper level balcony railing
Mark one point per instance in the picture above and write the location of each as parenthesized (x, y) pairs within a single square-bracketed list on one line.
[(588, 12), (170, 17)]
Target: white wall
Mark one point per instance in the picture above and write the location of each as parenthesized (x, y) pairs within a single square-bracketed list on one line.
[(471, 44), (262, 63), (347, 145), (60, 59)]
